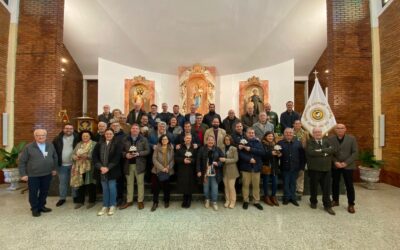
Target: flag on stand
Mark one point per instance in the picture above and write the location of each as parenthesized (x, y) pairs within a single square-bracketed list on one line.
[(317, 112)]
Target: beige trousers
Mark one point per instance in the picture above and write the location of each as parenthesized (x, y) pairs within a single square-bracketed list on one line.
[(300, 182), (230, 192), (253, 179), (130, 181)]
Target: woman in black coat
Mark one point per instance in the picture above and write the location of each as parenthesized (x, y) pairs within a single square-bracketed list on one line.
[(186, 170), (106, 157)]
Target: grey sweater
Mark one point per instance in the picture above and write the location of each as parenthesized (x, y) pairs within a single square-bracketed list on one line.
[(33, 163)]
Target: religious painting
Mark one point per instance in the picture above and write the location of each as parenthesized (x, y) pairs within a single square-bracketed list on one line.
[(254, 92), (197, 87), (138, 90)]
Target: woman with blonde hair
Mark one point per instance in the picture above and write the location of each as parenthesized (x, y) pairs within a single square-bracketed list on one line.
[(230, 171)]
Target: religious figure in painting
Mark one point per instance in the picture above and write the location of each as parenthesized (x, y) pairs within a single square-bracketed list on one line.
[(257, 101), (138, 97), (198, 94)]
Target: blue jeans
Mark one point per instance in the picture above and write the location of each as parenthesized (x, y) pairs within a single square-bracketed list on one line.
[(64, 175), (38, 190), (265, 179), (289, 182), (213, 185), (109, 193)]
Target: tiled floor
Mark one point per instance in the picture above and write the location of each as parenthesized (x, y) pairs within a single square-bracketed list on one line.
[(375, 225)]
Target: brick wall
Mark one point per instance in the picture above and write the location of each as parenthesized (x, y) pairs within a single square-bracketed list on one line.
[(348, 59), (389, 33), (71, 86), (92, 91), (39, 94)]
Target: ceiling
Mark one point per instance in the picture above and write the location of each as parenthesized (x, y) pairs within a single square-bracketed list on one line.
[(161, 35)]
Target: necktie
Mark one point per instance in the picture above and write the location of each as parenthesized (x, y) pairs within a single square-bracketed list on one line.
[(320, 142)]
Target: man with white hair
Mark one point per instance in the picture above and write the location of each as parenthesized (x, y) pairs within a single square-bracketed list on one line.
[(135, 115), (262, 126), (319, 153), (101, 128), (229, 122), (37, 165), (106, 116), (165, 115)]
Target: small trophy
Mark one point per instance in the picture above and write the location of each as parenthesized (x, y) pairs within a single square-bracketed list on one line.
[(243, 141), (277, 147), (133, 149), (188, 154)]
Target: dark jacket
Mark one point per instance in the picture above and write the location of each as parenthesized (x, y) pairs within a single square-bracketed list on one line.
[(152, 121), (97, 137), (181, 137), (186, 173), (248, 120), (131, 119), (165, 117), (229, 124), (33, 163), (273, 118), (114, 156), (180, 118), (293, 156), (288, 118), (59, 144), (104, 118), (271, 160), (347, 151), (209, 117), (143, 148), (187, 117), (319, 157), (203, 160), (256, 152), (153, 138), (237, 137)]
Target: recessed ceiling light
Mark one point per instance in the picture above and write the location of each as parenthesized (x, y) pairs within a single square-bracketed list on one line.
[(64, 60)]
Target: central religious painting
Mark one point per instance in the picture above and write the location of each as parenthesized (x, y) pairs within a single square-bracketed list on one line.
[(197, 87)]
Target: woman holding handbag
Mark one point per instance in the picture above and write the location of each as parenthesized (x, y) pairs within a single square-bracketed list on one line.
[(163, 160), (230, 171), (270, 168)]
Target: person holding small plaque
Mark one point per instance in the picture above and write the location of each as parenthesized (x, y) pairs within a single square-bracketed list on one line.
[(186, 170), (135, 151)]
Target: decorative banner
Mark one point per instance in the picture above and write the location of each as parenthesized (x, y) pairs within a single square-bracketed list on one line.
[(253, 92), (317, 112)]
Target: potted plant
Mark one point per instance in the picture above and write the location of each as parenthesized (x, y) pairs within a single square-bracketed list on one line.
[(9, 165), (370, 168)]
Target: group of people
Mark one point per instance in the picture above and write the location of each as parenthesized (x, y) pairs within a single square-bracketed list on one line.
[(198, 151)]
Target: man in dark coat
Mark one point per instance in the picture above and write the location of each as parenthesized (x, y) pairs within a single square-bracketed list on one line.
[(289, 116), (229, 122), (346, 153), (209, 117), (135, 115), (319, 153)]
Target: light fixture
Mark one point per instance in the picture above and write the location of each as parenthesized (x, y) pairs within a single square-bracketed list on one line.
[(64, 60), (62, 69), (327, 71)]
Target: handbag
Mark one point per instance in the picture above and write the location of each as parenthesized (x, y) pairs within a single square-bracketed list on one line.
[(162, 176), (266, 170)]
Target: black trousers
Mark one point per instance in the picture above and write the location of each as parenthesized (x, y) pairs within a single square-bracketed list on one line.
[(348, 181), (80, 193), (324, 180), (157, 185), (38, 191), (187, 198)]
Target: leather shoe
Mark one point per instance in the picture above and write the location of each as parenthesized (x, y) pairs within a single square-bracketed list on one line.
[(140, 205), (245, 205), (126, 205), (60, 203), (313, 206), (35, 213), (45, 210), (351, 209), (78, 205), (166, 204), (335, 203), (330, 210), (154, 207), (294, 203), (258, 206), (285, 202)]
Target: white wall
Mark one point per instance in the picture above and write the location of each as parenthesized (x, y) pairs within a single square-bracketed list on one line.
[(111, 80), (281, 87)]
